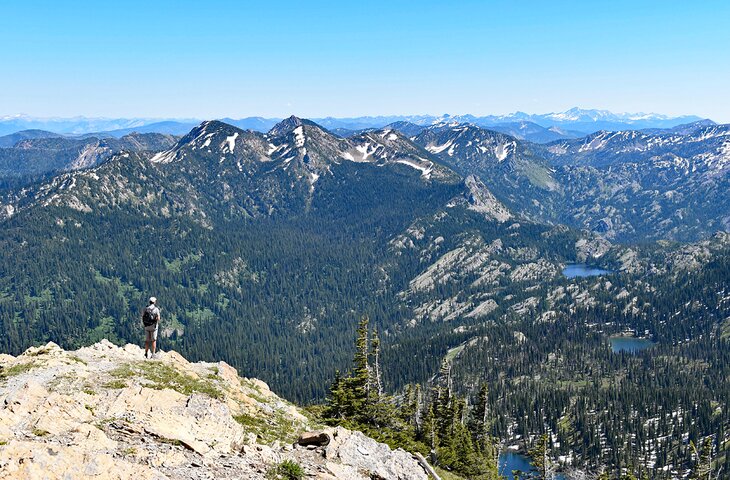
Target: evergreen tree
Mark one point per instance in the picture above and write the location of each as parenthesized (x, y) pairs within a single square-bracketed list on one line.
[(377, 382), (361, 379), (478, 424), (702, 469), (540, 456)]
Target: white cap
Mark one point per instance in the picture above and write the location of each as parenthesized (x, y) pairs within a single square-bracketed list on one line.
[(153, 300)]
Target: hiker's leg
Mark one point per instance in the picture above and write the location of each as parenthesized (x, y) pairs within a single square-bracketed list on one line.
[(153, 334)]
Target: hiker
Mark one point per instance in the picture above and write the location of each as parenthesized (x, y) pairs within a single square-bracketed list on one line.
[(151, 322)]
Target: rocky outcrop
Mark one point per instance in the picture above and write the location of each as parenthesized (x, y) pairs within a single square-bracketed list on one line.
[(481, 200), (104, 412), (354, 456)]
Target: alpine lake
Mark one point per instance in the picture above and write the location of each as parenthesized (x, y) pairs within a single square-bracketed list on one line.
[(513, 461), (577, 270)]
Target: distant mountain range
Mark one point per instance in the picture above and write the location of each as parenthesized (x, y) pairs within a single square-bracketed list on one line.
[(540, 128)]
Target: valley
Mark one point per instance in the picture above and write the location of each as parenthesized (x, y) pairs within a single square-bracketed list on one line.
[(481, 258)]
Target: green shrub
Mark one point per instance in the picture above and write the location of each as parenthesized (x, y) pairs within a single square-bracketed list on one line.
[(286, 470)]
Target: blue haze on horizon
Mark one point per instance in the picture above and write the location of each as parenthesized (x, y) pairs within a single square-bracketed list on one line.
[(220, 58)]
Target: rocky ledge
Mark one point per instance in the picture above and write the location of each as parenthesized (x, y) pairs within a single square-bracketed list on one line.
[(104, 412)]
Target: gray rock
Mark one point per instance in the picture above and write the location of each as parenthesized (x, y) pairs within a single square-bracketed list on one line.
[(354, 449)]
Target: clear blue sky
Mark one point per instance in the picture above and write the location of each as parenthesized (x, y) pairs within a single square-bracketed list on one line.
[(221, 58)]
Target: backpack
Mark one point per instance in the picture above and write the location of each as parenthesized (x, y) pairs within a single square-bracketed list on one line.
[(149, 317)]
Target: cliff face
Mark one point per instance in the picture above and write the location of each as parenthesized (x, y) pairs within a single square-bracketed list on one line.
[(104, 412)]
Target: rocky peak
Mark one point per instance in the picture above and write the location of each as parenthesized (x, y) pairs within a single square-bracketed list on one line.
[(210, 137), (104, 412), (286, 126)]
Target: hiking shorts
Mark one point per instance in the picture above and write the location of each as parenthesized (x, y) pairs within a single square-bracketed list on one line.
[(150, 333)]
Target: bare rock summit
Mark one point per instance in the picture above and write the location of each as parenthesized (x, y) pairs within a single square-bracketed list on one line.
[(104, 412)]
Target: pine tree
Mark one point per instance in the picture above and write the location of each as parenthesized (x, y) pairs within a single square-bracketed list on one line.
[(429, 430), (418, 409), (337, 402), (703, 468), (361, 375), (377, 382), (540, 455), (478, 424)]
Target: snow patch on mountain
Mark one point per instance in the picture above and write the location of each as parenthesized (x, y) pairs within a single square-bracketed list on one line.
[(425, 170), (365, 151), (439, 148), (299, 138), (166, 156), (231, 142), (503, 150)]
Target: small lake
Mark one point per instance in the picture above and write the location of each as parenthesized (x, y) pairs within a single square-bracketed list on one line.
[(510, 461), (629, 344), (574, 270)]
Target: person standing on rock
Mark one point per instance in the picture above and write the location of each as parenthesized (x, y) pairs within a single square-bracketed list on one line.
[(151, 322)]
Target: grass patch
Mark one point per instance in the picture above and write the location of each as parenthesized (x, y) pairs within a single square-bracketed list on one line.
[(78, 360), (222, 301), (129, 451), (124, 371), (258, 395), (286, 470), (54, 384), (200, 316), (175, 266), (40, 433), (117, 384), (453, 352), (258, 398), (249, 420), (314, 413), (160, 376), (88, 391), (43, 297), (19, 369), (164, 376), (104, 422), (169, 441), (446, 475), (269, 429)]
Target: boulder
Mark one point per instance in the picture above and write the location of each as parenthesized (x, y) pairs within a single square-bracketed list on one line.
[(354, 449), (319, 439)]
